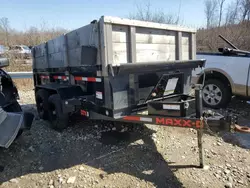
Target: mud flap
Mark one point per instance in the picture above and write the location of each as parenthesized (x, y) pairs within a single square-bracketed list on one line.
[(10, 124), (28, 118)]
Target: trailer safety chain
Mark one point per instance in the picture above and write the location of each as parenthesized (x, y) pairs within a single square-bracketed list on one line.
[(201, 121), (207, 128)]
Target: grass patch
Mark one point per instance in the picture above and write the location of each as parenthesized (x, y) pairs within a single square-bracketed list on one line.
[(26, 84), (19, 65)]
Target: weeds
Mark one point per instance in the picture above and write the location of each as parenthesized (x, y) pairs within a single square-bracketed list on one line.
[(26, 84)]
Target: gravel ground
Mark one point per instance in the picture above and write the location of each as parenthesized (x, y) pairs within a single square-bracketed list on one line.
[(89, 154)]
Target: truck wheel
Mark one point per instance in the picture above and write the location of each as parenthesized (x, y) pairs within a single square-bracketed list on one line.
[(215, 94), (42, 103), (57, 118)]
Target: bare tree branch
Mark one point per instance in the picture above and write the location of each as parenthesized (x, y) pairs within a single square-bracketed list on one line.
[(245, 8), (145, 13), (221, 4), (210, 12), (4, 24), (233, 13), (30, 37)]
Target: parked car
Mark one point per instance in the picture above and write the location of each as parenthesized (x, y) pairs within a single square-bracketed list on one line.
[(3, 50), (227, 74), (20, 51)]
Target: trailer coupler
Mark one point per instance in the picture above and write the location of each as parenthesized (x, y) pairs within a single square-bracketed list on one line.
[(227, 123)]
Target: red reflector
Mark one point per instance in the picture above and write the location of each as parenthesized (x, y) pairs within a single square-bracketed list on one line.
[(91, 79), (132, 118), (78, 78), (84, 113)]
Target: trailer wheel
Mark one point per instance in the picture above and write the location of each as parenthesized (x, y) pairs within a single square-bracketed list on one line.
[(57, 118), (42, 103)]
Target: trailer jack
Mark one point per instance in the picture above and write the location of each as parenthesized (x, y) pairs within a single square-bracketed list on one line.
[(228, 123), (231, 124)]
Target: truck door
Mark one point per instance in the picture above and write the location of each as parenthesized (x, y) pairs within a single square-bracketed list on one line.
[(238, 70)]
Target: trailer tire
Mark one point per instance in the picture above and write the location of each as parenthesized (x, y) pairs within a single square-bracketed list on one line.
[(42, 103), (57, 118)]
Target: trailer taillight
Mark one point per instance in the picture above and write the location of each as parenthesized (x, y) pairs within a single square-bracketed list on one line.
[(88, 79)]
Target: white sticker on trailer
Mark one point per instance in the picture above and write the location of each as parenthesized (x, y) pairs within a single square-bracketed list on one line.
[(171, 86), (145, 119), (98, 80), (171, 107), (98, 95)]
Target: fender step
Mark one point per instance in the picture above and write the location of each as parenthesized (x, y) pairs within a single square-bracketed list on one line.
[(10, 124)]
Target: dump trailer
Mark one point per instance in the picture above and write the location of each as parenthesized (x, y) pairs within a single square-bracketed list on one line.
[(121, 70)]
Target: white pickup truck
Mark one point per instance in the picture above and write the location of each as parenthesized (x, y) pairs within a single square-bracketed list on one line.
[(227, 74)]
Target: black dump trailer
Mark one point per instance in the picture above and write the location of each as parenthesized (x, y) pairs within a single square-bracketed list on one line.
[(121, 70)]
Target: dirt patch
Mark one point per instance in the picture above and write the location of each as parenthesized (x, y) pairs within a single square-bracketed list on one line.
[(93, 154)]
